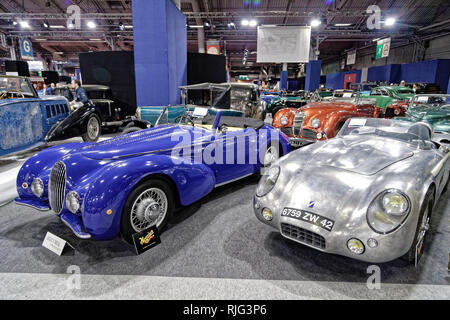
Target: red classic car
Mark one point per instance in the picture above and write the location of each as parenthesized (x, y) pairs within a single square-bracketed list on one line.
[(321, 120)]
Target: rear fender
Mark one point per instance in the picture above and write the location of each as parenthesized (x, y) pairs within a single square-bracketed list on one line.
[(110, 188)]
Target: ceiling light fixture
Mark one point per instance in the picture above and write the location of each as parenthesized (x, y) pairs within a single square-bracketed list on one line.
[(342, 24), (245, 22), (59, 27), (316, 23), (91, 25), (253, 23), (390, 21), (24, 24)]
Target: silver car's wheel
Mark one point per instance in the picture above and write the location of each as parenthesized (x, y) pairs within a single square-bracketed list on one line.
[(424, 226), (270, 156), (149, 209)]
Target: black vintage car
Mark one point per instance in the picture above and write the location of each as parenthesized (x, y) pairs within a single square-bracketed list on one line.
[(102, 112)]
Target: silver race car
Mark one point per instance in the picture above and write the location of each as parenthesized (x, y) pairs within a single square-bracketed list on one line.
[(367, 194)]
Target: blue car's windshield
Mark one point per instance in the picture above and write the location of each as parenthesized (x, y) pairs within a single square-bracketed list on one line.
[(15, 87)]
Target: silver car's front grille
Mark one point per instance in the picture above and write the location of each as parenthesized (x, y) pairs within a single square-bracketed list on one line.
[(303, 235), (57, 186), (298, 123)]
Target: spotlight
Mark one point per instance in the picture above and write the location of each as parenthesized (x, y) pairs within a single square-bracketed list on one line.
[(46, 25), (253, 23), (315, 23), (231, 25), (91, 25), (69, 26), (24, 24), (245, 22), (389, 21), (121, 26)]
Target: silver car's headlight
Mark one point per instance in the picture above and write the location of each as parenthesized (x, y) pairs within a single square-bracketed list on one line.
[(315, 123), (37, 187), (284, 120), (73, 201), (138, 113), (268, 181), (388, 211)]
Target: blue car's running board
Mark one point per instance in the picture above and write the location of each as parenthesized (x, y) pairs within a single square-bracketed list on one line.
[(75, 224), (32, 204)]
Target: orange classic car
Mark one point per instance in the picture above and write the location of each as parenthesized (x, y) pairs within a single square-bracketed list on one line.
[(321, 120)]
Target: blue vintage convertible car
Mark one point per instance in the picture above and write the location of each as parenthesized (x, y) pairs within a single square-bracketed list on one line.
[(25, 119), (129, 183)]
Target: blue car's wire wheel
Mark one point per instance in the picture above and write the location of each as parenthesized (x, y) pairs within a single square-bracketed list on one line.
[(149, 209)]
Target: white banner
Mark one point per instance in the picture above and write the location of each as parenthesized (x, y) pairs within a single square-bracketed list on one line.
[(351, 57), (290, 44)]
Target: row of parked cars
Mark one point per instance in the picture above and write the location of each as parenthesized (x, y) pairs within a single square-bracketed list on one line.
[(368, 193)]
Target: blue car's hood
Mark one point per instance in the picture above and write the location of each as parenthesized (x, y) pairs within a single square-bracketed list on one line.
[(154, 140)]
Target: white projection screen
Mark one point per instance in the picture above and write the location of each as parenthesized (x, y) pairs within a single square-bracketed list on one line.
[(287, 44)]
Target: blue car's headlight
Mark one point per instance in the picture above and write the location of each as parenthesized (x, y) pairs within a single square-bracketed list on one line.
[(268, 181), (37, 187), (388, 211), (73, 201)]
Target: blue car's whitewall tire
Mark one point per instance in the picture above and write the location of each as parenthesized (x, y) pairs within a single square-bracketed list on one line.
[(149, 204)]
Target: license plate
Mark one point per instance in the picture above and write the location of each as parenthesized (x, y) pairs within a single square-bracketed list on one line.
[(295, 142), (309, 217)]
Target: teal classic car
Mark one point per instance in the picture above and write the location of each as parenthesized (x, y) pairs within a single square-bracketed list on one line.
[(296, 99), (233, 99), (432, 108), (387, 95)]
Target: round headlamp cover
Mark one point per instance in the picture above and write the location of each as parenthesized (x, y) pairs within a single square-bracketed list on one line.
[(284, 120), (73, 201), (268, 181), (37, 187), (315, 123), (388, 211)]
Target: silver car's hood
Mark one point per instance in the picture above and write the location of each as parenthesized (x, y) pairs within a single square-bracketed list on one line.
[(361, 155)]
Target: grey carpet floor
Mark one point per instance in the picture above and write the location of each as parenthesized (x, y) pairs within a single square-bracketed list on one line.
[(218, 237)]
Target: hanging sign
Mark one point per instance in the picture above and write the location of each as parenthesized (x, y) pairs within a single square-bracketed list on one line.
[(213, 47), (351, 57), (383, 47), (26, 49)]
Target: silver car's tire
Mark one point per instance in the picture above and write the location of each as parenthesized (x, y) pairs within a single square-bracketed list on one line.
[(149, 204), (423, 226)]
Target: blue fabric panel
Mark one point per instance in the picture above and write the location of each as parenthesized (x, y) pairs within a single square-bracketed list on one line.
[(312, 80), (160, 65), (379, 73), (395, 73), (335, 80), (442, 73), (177, 50), (293, 85), (423, 71), (283, 80)]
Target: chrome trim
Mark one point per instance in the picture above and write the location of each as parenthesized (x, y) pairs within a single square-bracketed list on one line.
[(31, 206), (297, 125), (230, 181), (57, 187)]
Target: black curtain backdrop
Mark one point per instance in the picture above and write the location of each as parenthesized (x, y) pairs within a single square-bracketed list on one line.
[(114, 69), (204, 67), (21, 67)]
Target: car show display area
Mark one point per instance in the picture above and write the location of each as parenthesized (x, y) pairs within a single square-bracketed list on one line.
[(217, 237)]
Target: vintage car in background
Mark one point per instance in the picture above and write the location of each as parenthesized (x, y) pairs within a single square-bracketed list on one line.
[(341, 94), (25, 118), (129, 183), (234, 99), (367, 194), (387, 95), (432, 108), (287, 102), (425, 88), (323, 93), (364, 88), (321, 120), (103, 113)]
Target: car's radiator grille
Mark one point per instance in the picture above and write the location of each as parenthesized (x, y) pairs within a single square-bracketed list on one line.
[(286, 130), (57, 186), (302, 235), (298, 122), (309, 134)]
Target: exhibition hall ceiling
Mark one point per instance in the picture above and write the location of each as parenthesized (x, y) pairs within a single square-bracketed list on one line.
[(343, 24)]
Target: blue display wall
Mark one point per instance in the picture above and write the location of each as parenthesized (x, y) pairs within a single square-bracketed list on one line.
[(431, 71), (336, 80), (160, 51)]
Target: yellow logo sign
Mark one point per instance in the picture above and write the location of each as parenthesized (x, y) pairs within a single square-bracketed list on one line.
[(147, 238)]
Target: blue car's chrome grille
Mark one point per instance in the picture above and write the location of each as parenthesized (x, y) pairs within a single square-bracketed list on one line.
[(303, 235), (57, 186)]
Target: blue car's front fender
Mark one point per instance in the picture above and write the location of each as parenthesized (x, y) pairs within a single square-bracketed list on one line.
[(111, 185)]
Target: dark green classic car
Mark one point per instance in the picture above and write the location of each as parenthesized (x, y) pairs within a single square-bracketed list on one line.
[(388, 95), (432, 108)]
